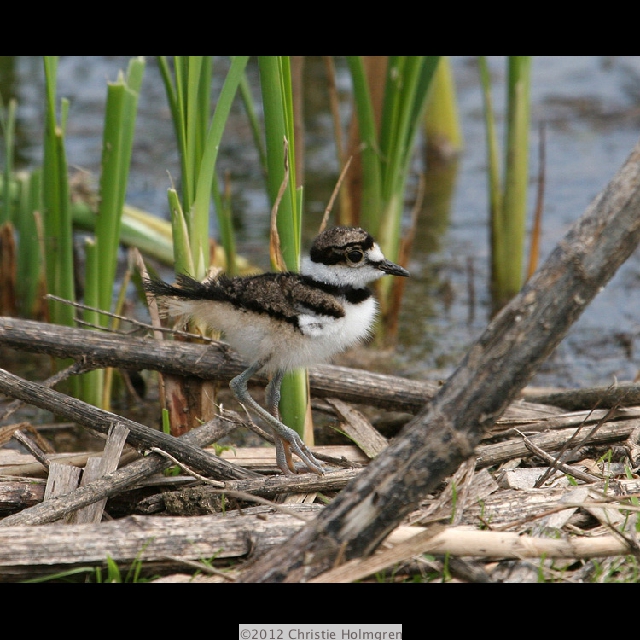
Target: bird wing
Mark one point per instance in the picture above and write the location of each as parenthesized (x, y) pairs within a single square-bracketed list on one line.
[(282, 295), (279, 294)]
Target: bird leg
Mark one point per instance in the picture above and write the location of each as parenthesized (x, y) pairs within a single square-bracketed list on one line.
[(286, 439), (272, 394), (272, 400)]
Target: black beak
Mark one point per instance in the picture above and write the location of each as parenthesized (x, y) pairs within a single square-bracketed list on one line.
[(392, 269)]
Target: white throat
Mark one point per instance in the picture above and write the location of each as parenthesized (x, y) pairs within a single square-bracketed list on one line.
[(342, 275)]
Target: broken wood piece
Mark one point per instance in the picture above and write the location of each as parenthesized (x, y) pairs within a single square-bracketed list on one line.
[(357, 428), (19, 493), (62, 479), (98, 466)]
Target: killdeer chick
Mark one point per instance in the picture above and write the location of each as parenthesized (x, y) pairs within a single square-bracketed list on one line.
[(284, 321)]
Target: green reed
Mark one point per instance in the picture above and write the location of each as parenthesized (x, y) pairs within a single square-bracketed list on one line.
[(57, 225), (277, 98), (508, 194), (101, 252), (386, 153), (189, 92), (441, 123)]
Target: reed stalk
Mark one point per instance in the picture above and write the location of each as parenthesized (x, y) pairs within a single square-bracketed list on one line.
[(277, 97), (93, 381), (207, 175), (386, 155), (102, 252), (57, 223), (441, 121), (29, 252), (508, 198), (8, 127), (198, 142)]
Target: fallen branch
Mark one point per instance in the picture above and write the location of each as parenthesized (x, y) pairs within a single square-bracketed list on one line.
[(95, 350), (27, 551), (99, 420), (623, 395), (489, 455)]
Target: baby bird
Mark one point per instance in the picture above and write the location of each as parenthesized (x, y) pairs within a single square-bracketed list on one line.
[(283, 321)]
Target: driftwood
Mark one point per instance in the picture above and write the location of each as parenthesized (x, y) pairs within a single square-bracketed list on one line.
[(495, 369), (621, 395), (95, 350)]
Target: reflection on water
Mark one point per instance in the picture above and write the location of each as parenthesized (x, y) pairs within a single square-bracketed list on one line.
[(591, 107)]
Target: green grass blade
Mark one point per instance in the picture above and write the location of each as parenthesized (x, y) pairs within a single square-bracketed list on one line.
[(507, 203), (275, 82), (8, 126), (247, 100), (193, 129), (180, 70), (92, 381), (107, 222), (517, 168), (371, 171), (275, 127), (57, 225), (406, 92), (181, 245), (222, 205), (176, 110), (120, 117), (409, 85), (441, 119), (493, 165), (29, 253), (200, 226)]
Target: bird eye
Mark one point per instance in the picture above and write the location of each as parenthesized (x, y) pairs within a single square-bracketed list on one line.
[(354, 255)]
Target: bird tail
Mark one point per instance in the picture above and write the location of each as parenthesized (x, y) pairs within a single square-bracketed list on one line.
[(174, 300)]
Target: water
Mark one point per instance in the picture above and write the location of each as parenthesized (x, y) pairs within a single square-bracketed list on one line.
[(591, 109)]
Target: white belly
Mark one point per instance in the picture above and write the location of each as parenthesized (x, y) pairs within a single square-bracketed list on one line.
[(260, 337)]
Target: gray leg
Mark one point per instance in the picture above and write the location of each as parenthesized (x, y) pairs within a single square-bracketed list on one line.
[(272, 400), (285, 437), (272, 394)]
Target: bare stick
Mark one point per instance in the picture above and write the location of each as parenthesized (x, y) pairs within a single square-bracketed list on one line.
[(556, 462), (336, 189), (274, 245), (33, 448)]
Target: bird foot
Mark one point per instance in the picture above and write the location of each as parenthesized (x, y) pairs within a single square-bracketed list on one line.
[(287, 440)]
